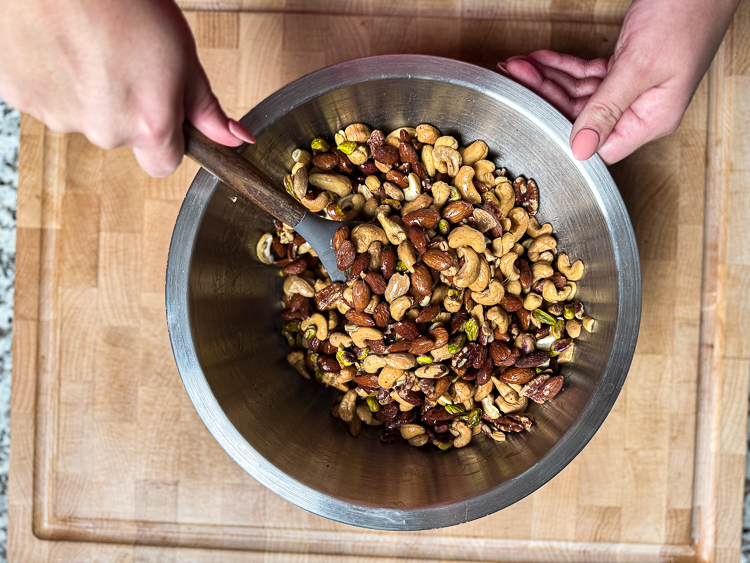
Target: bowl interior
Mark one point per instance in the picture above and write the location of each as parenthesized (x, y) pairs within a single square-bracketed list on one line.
[(279, 426)]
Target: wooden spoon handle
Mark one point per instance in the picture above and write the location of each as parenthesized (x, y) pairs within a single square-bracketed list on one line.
[(242, 176)]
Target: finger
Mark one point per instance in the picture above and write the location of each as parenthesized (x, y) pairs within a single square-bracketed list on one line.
[(203, 110), (619, 89), (164, 155), (573, 66), (574, 87), (526, 73)]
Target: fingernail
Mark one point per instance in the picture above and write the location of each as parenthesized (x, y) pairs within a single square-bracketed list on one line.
[(240, 131), (502, 69), (584, 144)]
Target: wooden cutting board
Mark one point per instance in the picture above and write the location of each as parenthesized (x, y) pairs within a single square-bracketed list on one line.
[(109, 460)]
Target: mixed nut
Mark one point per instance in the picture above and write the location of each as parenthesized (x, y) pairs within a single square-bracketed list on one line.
[(457, 308)]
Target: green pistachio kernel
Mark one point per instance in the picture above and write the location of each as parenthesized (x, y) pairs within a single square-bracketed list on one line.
[(422, 360), (454, 409), (455, 194), (372, 403), (319, 373), (475, 417), (394, 203), (347, 147), (291, 326), (310, 333), (400, 266), (281, 273), (472, 329), (557, 329), (570, 312), (453, 293), (289, 337), (313, 357), (538, 370), (442, 445), (342, 358), (443, 227), (544, 317), (363, 353), (454, 348), (320, 143), (289, 185)]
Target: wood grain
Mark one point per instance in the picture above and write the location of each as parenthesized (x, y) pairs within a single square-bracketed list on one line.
[(121, 459)]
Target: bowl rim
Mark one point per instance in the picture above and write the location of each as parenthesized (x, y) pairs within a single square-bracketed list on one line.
[(606, 391)]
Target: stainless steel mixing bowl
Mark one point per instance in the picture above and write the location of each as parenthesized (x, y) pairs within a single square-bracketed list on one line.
[(222, 304)]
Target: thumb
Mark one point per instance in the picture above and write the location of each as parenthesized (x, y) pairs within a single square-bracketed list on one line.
[(203, 110), (598, 118)]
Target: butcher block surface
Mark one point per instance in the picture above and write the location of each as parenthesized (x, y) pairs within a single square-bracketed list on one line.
[(109, 460)]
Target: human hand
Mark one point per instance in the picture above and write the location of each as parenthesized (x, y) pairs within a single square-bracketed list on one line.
[(642, 91), (125, 74)]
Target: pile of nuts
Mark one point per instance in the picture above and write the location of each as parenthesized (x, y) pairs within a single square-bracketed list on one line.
[(457, 307)]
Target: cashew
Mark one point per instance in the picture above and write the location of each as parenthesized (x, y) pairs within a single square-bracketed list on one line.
[(535, 230), (462, 433), (301, 156), (414, 189), (408, 255), (427, 134), (519, 220), (499, 318), (440, 192), (532, 301), (320, 323), (357, 132), (365, 234), (508, 266), (400, 305), (397, 286), (318, 204), (403, 405), (373, 363), (340, 185), (506, 195), (573, 288), (346, 374), (489, 408), (384, 168), (446, 141), (409, 431), (463, 181), (540, 271), (299, 182), (466, 236), (361, 334), (419, 441), (438, 294), (395, 232), (394, 137), (347, 406), (447, 159), (482, 391), (480, 284), (550, 293), (475, 152), (483, 170), (574, 272), (453, 303), (545, 256), (296, 284), (491, 296), (364, 414), (588, 324), (340, 340), (513, 287), (462, 390), (469, 272), (401, 360), (388, 376), (352, 206), (508, 400), (428, 159), (539, 245), (296, 359), (431, 371), (263, 248), (333, 319)]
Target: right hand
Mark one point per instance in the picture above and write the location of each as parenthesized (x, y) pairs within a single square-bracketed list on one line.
[(642, 91), (123, 73)]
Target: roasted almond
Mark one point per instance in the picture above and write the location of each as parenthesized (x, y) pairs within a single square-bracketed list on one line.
[(325, 161), (361, 263), (457, 211), (428, 313), (421, 279), (376, 282), (417, 238), (532, 360), (425, 218), (360, 295), (388, 262), (385, 154), (382, 315), (406, 329), (341, 235), (517, 375), (359, 319), (437, 259), (345, 255), (511, 303), (295, 268), (399, 346), (397, 178)]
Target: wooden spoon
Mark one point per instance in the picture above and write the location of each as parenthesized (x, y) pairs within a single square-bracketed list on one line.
[(246, 179)]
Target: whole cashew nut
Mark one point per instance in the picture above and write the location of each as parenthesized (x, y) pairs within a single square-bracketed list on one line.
[(464, 182), (532, 301), (428, 159), (466, 236), (499, 318), (447, 159), (352, 206), (408, 255), (395, 232), (462, 433), (414, 189), (400, 305), (317, 204), (542, 243), (519, 222), (469, 272), (506, 195), (319, 322), (296, 284), (361, 334), (489, 408), (340, 185), (365, 234), (550, 293), (373, 363), (340, 340), (508, 266), (490, 296), (573, 273), (483, 280), (296, 359), (535, 230), (540, 271), (475, 152), (483, 170)]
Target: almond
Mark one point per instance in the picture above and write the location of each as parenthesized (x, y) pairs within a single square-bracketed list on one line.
[(345, 255), (295, 268), (397, 178), (399, 346), (437, 259), (382, 315), (428, 313), (360, 295), (361, 263), (388, 262), (517, 375), (421, 279), (376, 282), (417, 238), (511, 303), (457, 211), (325, 161), (406, 329), (385, 154), (425, 218), (359, 319), (533, 360), (341, 235)]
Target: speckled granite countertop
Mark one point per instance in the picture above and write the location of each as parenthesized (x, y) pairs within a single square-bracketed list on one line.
[(9, 144)]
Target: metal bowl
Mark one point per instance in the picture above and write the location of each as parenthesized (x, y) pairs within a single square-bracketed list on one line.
[(222, 304)]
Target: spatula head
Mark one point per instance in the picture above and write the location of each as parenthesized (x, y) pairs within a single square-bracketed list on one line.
[(318, 232)]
